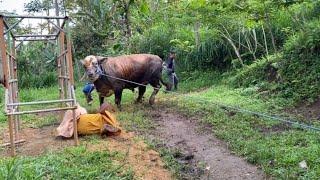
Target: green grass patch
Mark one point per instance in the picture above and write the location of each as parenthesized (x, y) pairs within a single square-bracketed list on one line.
[(72, 163)]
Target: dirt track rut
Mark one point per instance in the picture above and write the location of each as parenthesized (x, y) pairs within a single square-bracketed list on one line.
[(208, 155)]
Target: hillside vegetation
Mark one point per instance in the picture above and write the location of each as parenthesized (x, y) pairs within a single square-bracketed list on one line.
[(268, 45)]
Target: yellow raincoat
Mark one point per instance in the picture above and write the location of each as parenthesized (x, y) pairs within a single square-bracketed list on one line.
[(94, 123)]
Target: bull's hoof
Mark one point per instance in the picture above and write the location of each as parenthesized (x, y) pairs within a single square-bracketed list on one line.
[(138, 101), (151, 101)]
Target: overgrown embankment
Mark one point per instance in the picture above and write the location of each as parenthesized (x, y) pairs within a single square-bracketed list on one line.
[(293, 74)]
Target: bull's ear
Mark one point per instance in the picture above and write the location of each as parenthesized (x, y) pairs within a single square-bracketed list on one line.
[(82, 61), (101, 59)]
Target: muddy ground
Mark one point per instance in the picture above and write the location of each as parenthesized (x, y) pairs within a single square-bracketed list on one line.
[(307, 112)]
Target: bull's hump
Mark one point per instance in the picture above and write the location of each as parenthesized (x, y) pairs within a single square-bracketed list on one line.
[(136, 57)]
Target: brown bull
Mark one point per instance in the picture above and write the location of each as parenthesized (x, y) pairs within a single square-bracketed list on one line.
[(106, 73)]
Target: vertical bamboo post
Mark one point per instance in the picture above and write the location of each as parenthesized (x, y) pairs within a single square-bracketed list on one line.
[(59, 69), (6, 80), (69, 55), (61, 65), (15, 76), (75, 123), (71, 79), (13, 83)]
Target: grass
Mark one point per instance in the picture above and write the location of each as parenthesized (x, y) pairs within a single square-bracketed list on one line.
[(72, 163)]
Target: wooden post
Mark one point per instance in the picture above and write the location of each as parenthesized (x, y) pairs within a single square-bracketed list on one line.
[(13, 84), (12, 144), (6, 80), (3, 54), (75, 123), (69, 54), (16, 87), (60, 81), (63, 65), (71, 81)]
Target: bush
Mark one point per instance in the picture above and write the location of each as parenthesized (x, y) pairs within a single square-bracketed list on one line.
[(263, 70), (300, 67)]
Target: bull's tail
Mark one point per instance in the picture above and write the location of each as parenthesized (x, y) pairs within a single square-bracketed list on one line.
[(167, 85)]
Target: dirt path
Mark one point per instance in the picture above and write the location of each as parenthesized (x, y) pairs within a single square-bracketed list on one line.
[(198, 146), (145, 162)]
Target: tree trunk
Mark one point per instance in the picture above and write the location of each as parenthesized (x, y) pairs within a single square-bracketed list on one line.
[(196, 33), (126, 7), (229, 39), (269, 27), (56, 4), (265, 41), (236, 50)]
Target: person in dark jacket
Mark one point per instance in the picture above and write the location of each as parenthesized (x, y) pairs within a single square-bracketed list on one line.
[(170, 68)]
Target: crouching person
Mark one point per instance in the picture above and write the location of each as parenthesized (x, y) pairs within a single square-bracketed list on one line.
[(103, 122)]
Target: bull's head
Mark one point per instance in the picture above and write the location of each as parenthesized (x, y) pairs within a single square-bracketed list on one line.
[(92, 66)]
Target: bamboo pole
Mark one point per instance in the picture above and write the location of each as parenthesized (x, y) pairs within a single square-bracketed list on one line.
[(13, 26), (47, 39), (69, 60), (41, 111), (14, 88), (3, 54), (16, 142), (6, 81), (60, 70), (15, 76), (62, 54), (63, 65), (61, 90), (34, 17), (35, 35), (6, 100), (75, 123), (40, 102), (69, 54), (12, 145)]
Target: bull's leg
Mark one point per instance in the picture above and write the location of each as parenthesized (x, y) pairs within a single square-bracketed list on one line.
[(142, 90), (117, 95), (156, 85), (101, 99)]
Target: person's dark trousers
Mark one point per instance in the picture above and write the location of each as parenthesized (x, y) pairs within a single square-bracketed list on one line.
[(87, 89), (173, 80)]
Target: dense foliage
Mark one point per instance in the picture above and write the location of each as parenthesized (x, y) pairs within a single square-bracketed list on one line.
[(264, 42)]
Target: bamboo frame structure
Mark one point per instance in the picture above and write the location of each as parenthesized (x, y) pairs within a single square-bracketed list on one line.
[(8, 62)]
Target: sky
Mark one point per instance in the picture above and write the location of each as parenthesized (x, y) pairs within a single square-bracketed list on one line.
[(17, 6), (13, 5)]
